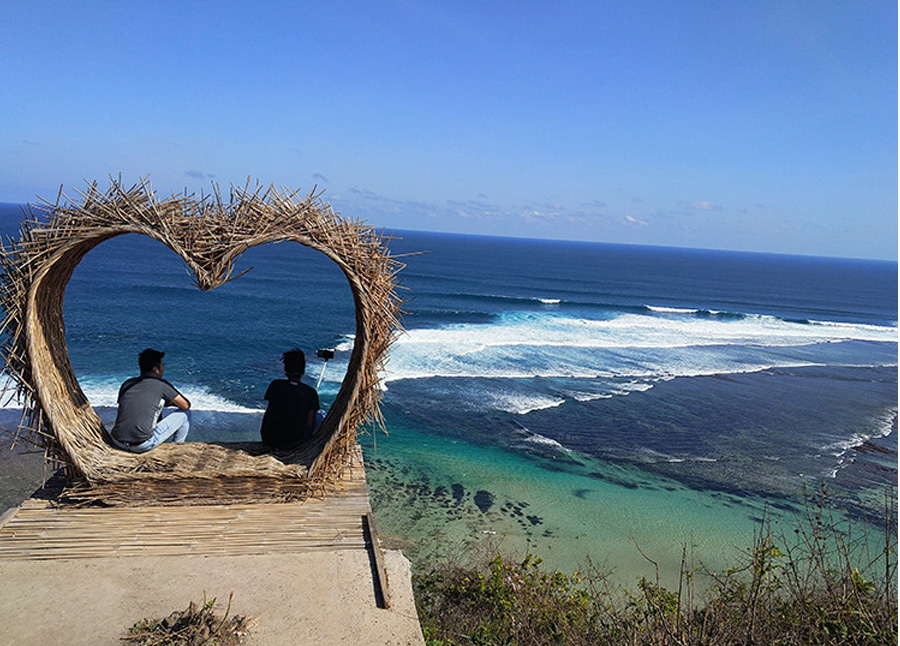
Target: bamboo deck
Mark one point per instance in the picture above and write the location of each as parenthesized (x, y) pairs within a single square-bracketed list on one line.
[(41, 529)]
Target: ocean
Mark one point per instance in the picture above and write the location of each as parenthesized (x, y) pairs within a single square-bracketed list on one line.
[(583, 402)]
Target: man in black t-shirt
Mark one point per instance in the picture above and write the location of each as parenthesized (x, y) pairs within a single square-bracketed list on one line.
[(290, 417)]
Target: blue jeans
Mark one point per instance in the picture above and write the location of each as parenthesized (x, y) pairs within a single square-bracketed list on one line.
[(175, 425)]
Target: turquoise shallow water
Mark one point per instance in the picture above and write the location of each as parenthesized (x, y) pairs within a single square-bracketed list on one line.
[(437, 498)]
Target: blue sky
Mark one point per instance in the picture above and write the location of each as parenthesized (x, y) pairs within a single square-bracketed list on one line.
[(762, 125)]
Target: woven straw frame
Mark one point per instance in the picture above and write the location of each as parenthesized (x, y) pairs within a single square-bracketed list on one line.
[(209, 234)]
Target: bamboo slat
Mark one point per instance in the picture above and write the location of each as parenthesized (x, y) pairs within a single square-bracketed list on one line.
[(43, 529)]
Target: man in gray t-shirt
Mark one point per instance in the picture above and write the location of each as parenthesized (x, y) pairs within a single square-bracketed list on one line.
[(139, 426)]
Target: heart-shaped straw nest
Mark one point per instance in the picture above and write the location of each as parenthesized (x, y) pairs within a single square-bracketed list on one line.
[(209, 234)]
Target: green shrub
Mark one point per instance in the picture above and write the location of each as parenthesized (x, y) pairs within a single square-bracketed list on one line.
[(824, 584)]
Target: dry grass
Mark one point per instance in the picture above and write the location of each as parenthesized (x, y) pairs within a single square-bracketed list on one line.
[(198, 625)]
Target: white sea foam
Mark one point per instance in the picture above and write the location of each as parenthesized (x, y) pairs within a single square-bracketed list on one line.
[(840, 447), (611, 390), (508, 297), (844, 449), (635, 331), (589, 397), (598, 358), (537, 438), (520, 403), (857, 326), (346, 344), (656, 457), (103, 392), (202, 399), (671, 310), (404, 366), (631, 387)]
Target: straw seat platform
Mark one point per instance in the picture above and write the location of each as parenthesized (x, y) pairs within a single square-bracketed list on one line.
[(43, 529)]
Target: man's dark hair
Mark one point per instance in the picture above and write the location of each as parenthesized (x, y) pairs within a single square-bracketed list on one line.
[(150, 359), (294, 362)]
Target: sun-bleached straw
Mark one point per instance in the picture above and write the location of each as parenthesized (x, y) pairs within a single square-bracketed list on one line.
[(210, 234)]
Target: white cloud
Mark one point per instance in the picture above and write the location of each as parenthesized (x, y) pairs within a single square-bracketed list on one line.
[(703, 205)]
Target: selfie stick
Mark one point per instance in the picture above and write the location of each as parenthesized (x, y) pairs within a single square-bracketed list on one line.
[(324, 354)]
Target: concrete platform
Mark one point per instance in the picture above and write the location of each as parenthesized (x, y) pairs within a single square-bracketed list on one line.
[(301, 598), (308, 571)]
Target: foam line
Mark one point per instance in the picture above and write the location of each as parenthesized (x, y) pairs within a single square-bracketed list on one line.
[(541, 440), (672, 310), (843, 450), (103, 392), (547, 344)]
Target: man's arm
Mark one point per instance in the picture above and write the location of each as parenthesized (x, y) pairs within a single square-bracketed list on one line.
[(182, 402), (311, 420)]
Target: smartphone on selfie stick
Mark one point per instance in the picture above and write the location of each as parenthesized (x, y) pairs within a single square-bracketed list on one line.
[(326, 354)]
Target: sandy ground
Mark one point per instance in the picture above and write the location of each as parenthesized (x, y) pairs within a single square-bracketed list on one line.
[(323, 597)]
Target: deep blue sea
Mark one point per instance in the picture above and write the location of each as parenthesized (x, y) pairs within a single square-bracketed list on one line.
[(576, 400)]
